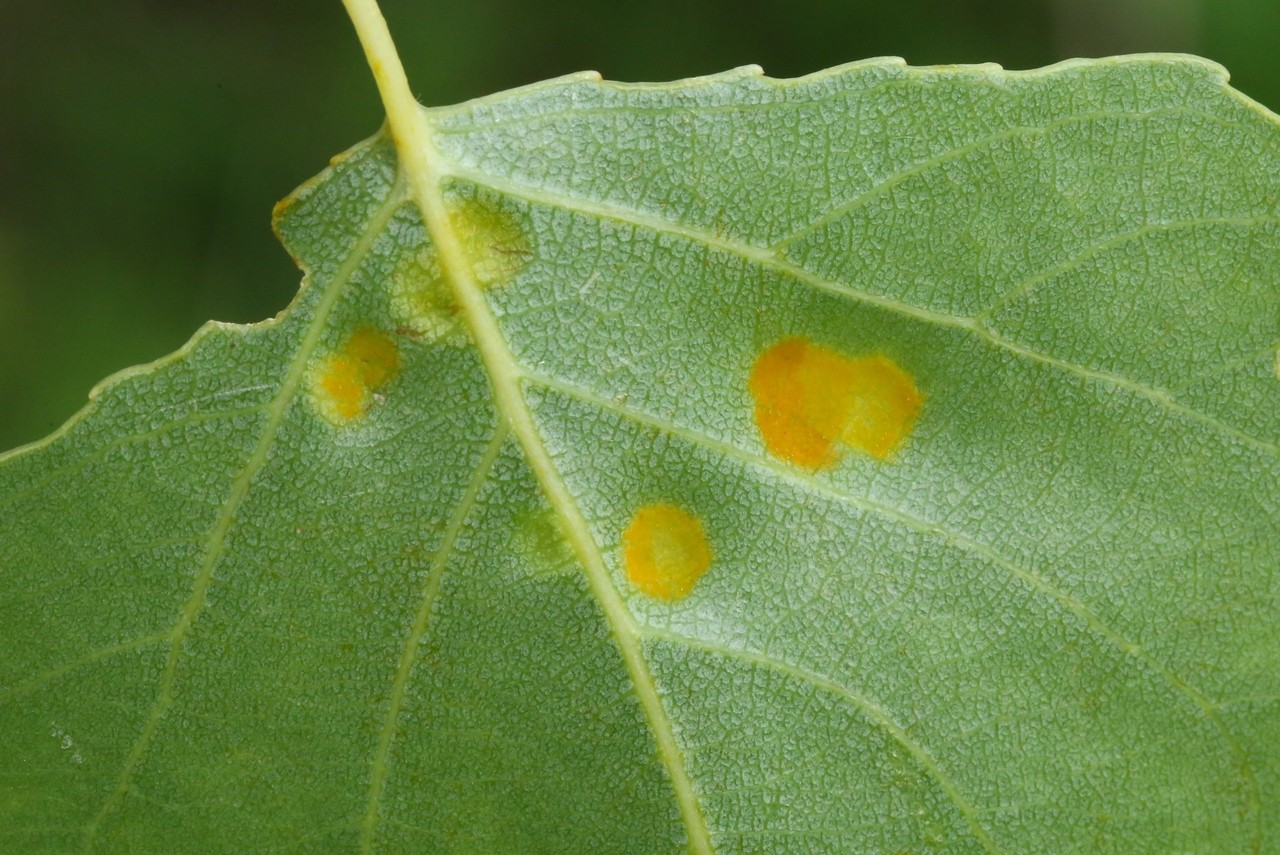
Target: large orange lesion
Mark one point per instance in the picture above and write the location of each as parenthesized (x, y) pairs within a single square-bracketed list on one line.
[(346, 380), (810, 400), (665, 551)]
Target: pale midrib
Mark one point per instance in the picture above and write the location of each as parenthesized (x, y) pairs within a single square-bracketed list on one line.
[(771, 261), (399, 686), (878, 715), (216, 545), (1133, 651), (418, 156), (32, 683)]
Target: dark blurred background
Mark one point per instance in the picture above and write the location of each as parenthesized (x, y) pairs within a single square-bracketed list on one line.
[(143, 142)]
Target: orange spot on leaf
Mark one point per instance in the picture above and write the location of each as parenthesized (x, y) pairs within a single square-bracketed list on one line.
[(665, 551), (347, 378), (810, 399)]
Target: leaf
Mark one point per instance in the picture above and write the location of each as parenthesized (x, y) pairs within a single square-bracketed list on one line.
[(884, 460)]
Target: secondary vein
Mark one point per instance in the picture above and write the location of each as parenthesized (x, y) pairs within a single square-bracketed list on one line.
[(1136, 653), (217, 540), (842, 290), (399, 686), (864, 705)]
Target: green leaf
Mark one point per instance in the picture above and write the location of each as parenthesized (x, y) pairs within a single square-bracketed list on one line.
[(886, 460)]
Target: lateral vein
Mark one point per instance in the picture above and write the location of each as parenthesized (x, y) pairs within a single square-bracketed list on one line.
[(217, 539), (378, 775)]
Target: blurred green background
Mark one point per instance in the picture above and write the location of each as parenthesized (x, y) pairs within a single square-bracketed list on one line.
[(143, 142)]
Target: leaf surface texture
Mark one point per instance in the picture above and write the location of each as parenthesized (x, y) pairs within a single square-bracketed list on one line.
[(298, 587)]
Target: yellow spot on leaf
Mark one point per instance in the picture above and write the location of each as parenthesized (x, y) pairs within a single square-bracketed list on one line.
[(347, 379), (665, 551), (810, 399), (497, 250)]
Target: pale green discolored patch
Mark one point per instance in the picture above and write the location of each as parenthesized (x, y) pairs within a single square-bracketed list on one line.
[(1038, 615), (421, 298), (539, 541), (489, 234), (421, 301)]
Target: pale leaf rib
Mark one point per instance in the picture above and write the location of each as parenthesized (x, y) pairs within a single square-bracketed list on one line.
[(1114, 242), (75, 467), (753, 254), (1134, 653), (765, 258), (958, 152), (36, 681), (415, 146), (404, 670), (216, 542), (872, 711)]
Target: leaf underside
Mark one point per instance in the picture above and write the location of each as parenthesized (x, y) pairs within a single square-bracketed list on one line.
[(296, 589)]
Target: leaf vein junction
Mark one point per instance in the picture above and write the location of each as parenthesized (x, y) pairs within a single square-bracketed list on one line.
[(101, 452), (32, 683), (1133, 652), (767, 259), (1114, 242), (925, 165), (877, 715), (415, 145)]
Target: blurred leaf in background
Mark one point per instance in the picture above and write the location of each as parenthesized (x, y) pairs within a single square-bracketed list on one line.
[(143, 142)]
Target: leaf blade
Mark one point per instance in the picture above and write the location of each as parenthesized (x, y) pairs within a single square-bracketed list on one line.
[(905, 634)]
